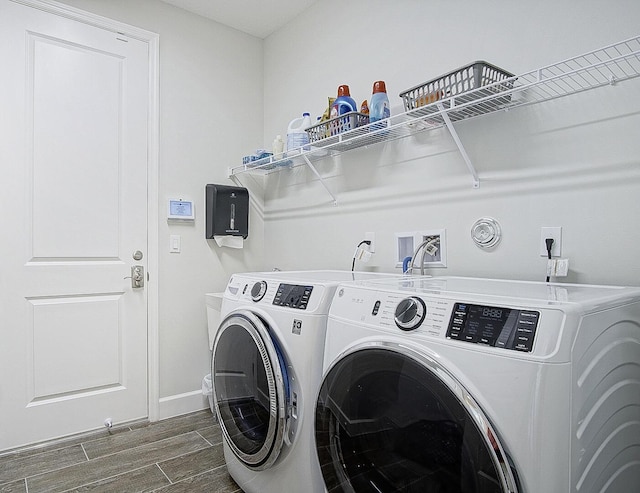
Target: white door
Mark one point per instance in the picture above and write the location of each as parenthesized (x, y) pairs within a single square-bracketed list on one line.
[(73, 195)]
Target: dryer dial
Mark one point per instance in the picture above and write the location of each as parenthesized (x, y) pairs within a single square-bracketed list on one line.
[(410, 313), (258, 290)]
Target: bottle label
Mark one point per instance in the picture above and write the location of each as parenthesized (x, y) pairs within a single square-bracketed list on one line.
[(298, 139), (379, 111), (340, 108)]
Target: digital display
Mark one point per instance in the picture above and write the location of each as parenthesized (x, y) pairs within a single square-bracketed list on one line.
[(488, 315), (485, 324), (180, 209), (492, 312), (493, 326)]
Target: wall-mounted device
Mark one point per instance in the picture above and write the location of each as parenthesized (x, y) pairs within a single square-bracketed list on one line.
[(486, 233), (227, 211), (181, 210)]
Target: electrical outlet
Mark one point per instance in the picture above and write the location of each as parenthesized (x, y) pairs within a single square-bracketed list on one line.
[(372, 238), (551, 232)]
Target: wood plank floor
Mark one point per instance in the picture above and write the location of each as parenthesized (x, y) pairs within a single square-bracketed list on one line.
[(182, 454)]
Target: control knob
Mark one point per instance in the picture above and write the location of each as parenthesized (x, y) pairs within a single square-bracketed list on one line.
[(258, 290), (410, 313)]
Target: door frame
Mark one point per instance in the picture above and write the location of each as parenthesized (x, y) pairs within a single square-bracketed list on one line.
[(152, 39)]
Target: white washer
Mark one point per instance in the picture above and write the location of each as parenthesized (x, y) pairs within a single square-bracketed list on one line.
[(480, 386), (266, 371)]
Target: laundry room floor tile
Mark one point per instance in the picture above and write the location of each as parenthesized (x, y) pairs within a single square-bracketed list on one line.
[(39, 462), (216, 480), (15, 487), (181, 454), (115, 464), (212, 434), (146, 434), (193, 464), (148, 478)]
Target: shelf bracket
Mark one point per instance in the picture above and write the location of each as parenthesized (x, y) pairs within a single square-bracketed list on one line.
[(315, 172), (463, 152)]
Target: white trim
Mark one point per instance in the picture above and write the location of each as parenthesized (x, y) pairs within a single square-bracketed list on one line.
[(176, 405), (153, 265), (153, 40), (89, 18)]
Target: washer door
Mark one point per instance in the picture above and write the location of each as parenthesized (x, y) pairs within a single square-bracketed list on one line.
[(250, 388), (389, 419)]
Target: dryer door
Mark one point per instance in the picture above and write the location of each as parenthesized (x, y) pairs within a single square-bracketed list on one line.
[(250, 388), (389, 419)]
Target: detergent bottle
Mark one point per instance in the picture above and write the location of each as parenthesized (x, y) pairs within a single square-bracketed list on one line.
[(364, 107), (379, 106), (344, 103), (297, 135)]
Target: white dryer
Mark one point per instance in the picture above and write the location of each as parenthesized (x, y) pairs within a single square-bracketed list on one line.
[(266, 371), (459, 385)]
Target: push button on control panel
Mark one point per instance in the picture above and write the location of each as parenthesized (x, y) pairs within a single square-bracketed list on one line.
[(376, 308), (458, 319), (525, 330)]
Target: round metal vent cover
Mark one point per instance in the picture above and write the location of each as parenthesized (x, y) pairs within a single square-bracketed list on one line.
[(486, 233)]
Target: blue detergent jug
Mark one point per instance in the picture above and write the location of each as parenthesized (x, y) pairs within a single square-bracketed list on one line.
[(344, 103), (379, 106)]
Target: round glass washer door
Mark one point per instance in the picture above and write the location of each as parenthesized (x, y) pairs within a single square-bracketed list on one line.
[(250, 388), (389, 419)]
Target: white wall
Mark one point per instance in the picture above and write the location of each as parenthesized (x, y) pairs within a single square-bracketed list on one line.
[(210, 115), (573, 162)]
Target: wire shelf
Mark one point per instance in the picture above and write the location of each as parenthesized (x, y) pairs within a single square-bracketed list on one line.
[(605, 66)]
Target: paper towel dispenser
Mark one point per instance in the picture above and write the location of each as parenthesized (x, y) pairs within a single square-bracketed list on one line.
[(227, 211)]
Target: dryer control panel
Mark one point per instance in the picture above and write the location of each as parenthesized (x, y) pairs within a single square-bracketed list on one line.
[(293, 296), (505, 328)]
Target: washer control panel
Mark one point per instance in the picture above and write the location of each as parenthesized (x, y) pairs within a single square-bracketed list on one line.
[(505, 328)]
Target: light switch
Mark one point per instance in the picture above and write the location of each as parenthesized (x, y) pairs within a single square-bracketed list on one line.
[(174, 244)]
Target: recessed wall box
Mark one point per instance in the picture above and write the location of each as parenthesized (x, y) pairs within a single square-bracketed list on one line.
[(227, 211)]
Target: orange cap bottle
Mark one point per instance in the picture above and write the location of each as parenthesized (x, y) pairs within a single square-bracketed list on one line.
[(379, 86), (343, 90)]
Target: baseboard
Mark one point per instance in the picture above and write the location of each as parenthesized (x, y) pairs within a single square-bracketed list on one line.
[(176, 405)]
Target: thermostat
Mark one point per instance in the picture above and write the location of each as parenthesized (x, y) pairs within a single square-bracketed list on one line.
[(181, 209)]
